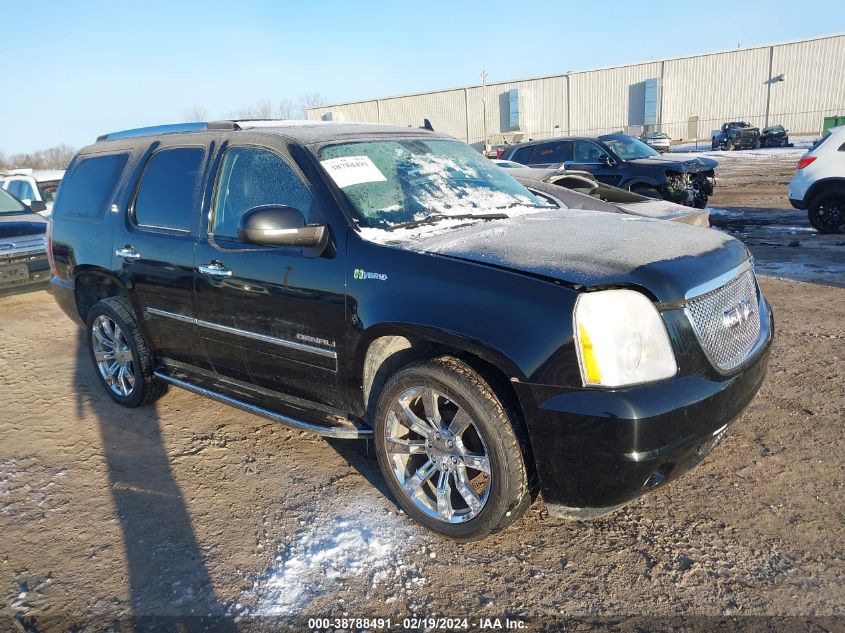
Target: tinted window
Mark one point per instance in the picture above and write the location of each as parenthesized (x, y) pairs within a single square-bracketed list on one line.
[(522, 155), (166, 197), (558, 152), (89, 187), (252, 177)]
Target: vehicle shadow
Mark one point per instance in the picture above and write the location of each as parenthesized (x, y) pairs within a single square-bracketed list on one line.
[(169, 582), (360, 455)]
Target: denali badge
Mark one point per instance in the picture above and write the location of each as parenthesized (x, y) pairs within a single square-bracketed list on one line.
[(737, 315)]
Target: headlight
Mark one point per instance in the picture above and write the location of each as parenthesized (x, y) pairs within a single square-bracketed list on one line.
[(621, 339)]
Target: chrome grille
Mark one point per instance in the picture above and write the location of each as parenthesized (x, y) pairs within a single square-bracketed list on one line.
[(727, 320)]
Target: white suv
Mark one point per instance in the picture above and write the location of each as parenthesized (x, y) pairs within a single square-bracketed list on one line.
[(819, 184), (31, 185)]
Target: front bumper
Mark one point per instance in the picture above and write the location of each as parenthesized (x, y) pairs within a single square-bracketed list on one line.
[(597, 449)]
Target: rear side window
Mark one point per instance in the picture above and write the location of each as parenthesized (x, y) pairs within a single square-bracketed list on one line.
[(166, 198), (558, 152), (521, 155), (89, 187)]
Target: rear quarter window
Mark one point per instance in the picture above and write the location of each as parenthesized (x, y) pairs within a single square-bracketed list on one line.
[(89, 187)]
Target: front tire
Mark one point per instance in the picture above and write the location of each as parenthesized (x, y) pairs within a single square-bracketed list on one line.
[(826, 210), (648, 192), (449, 450), (122, 361)]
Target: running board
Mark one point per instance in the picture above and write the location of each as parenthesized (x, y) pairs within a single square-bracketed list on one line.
[(350, 433)]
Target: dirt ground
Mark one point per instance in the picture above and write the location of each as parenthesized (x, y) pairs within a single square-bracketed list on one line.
[(751, 203), (190, 508)]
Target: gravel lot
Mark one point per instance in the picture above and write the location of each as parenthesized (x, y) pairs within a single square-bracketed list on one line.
[(194, 508)]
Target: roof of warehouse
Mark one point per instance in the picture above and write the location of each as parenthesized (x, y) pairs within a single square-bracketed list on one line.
[(576, 72)]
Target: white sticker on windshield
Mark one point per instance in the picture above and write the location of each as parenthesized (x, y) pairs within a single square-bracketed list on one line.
[(352, 170)]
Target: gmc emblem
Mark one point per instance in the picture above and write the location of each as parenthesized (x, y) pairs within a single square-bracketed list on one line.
[(737, 315)]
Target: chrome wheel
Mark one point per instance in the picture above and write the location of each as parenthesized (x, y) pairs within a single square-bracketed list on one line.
[(113, 356), (437, 455)]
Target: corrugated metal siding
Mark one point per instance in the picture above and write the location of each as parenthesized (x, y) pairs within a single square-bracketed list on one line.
[(716, 88), (445, 110), (813, 86), (601, 98), (362, 111)]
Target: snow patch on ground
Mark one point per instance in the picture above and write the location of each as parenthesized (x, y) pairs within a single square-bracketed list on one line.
[(726, 213), (369, 547)]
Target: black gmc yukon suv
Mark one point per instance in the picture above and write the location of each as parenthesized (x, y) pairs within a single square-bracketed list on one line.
[(371, 281)]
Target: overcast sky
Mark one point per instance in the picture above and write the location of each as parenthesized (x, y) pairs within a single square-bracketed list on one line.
[(76, 70)]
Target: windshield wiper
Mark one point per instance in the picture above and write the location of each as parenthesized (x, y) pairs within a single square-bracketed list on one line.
[(525, 204), (433, 219)]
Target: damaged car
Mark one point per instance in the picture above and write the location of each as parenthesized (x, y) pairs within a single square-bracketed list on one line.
[(383, 282), (775, 136), (573, 191), (735, 135), (628, 163)]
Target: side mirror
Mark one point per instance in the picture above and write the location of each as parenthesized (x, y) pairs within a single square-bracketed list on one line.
[(280, 226), (606, 160), (37, 206)]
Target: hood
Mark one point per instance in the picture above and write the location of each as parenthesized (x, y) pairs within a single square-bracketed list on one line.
[(591, 248), (678, 162), (17, 224)]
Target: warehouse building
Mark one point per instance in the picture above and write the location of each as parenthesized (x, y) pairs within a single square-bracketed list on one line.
[(798, 84)]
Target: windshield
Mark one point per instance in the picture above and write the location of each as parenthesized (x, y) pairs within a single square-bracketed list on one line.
[(628, 148), (409, 181), (48, 189), (10, 204)]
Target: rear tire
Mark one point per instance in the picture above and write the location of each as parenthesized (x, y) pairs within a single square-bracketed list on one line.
[(122, 361), (826, 210), (449, 450)]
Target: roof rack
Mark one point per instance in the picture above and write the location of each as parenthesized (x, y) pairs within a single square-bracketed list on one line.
[(173, 128)]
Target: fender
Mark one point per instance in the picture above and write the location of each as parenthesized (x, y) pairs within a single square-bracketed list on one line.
[(103, 283), (817, 186)]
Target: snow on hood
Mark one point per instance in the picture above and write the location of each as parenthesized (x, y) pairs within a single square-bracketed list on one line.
[(586, 248)]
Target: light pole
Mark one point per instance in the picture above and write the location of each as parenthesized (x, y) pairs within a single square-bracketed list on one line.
[(555, 127), (484, 104)]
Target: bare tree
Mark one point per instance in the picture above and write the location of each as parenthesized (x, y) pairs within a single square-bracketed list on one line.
[(259, 110), (56, 157), (310, 100), (286, 110), (196, 112)]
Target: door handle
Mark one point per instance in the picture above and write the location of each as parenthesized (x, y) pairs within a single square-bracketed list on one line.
[(127, 252), (215, 269)]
